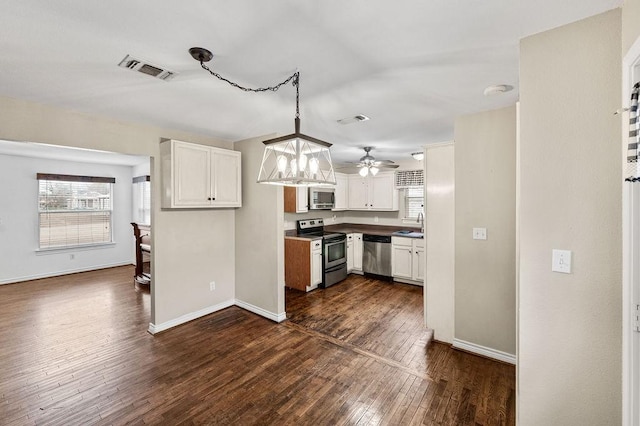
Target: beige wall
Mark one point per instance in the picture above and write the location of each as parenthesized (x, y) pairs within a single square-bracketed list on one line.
[(485, 159), (630, 24), (440, 232), (259, 235), (569, 353), (190, 248)]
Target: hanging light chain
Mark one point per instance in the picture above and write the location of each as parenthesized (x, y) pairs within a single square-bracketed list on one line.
[(294, 78)]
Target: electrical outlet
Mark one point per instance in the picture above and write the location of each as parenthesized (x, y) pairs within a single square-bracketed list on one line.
[(212, 285), (479, 233), (72, 256)]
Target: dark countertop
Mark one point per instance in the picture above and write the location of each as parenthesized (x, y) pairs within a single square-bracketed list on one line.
[(370, 229), (292, 233), (349, 228)]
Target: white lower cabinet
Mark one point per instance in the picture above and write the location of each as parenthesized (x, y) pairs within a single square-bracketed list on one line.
[(407, 259), (357, 253), (316, 263), (349, 253)]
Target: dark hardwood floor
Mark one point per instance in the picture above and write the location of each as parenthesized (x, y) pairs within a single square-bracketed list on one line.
[(74, 351)]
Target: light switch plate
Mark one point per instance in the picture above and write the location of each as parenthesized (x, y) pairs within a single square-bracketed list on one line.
[(561, 261), (479, 233)]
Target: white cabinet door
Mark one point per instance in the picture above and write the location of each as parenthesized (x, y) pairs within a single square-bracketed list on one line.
[(358, 193), (357, 252), (418, 261), (401, 261), (381, 192), (199, 176), (302, 199), (341, 192), (191, 175), (372, 192), (316, 266), (226, 178), (350, 252)]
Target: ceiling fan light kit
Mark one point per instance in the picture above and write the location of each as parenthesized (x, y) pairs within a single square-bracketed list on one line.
[(369, 165), (292, 160)]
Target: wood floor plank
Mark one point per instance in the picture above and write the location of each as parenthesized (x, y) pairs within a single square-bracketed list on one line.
[(75, 351)]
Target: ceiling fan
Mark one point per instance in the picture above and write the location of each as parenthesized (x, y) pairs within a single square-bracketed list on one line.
[(368, 163)]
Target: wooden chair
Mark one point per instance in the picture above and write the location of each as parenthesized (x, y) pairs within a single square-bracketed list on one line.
[(142, 234)]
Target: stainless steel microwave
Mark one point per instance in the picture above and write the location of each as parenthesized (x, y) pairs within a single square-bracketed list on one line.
[(321, 198)]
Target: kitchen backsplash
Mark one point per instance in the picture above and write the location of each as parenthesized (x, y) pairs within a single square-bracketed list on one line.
[(329, 217), (361, 217)]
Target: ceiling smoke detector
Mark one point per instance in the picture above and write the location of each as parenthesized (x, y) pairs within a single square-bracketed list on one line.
[(143, 67), (354, 119)]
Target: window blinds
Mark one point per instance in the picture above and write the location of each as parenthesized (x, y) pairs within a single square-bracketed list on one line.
[(74, 210)]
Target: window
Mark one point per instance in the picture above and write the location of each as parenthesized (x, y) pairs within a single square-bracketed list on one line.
[(412, 181), (74, 210), (413, 202), (142, 200)]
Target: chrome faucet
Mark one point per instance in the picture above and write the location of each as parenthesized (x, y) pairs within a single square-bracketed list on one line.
[(421, 221)]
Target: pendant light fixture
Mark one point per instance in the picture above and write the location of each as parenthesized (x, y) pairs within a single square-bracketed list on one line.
[(292, 160)]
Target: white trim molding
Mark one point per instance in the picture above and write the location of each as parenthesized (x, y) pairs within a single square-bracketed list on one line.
[(262, 312), (153, 328), (65, 272), (484, 351), (630, 250)]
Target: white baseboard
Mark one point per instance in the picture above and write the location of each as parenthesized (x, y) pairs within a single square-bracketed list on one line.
[(157, 328), (65, 272), (484, 351), (406, 281), (262, 312)]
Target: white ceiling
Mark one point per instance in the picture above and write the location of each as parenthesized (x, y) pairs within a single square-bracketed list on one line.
[(410, 65)]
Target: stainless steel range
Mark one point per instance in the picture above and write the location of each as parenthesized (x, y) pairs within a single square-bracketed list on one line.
[(334, 250)]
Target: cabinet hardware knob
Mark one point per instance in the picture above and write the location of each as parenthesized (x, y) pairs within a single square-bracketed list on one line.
[(209, 198)]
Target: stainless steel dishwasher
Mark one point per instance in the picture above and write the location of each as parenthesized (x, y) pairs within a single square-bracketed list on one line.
[(376, 257)]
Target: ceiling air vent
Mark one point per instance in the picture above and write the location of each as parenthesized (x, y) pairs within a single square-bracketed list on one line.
[(354, 119), (146, 68)]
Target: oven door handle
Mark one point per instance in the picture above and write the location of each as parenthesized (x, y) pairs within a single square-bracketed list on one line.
[(336, 240)]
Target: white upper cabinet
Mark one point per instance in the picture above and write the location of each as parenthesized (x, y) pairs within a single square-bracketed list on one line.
[(372, 192), (341, 192), (296, 199), (199, 176)]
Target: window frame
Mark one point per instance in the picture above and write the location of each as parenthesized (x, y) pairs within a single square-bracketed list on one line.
[(407, 199), (71, 179)]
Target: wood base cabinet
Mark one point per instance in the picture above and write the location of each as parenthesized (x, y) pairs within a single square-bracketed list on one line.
[(302, 263), (199, 176), (407, 260)]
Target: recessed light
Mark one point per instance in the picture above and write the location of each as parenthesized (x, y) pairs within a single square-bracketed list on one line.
[(354, 119), (497, 89)]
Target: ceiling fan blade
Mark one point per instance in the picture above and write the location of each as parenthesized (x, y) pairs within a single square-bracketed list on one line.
[(384, 161), (387, 166)]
